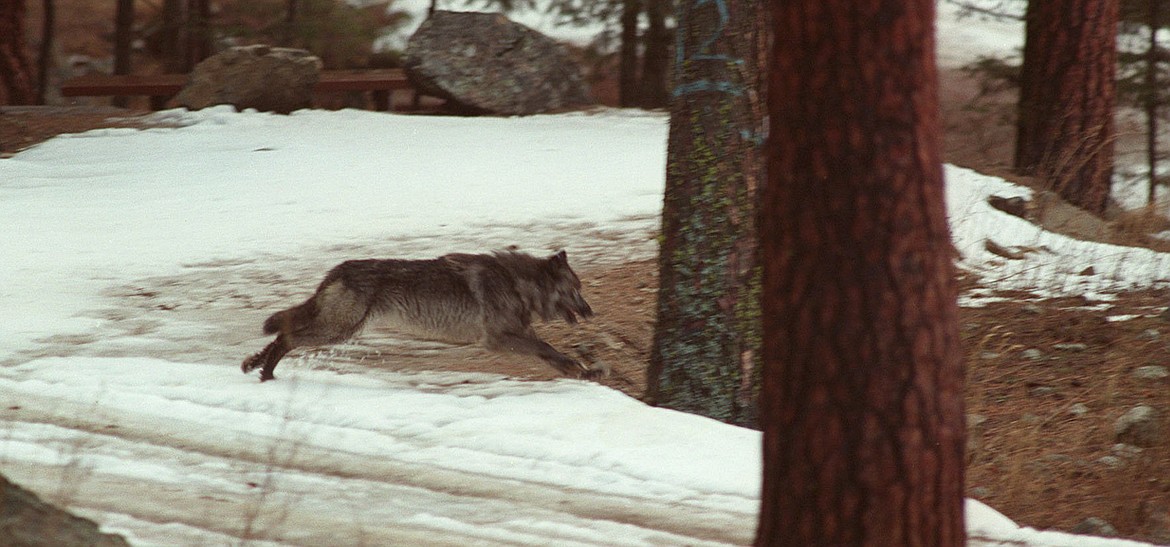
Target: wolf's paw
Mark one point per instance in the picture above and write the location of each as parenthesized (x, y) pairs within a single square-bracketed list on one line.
[(597, 372), (266, 376), (593, 375), (250, 364)]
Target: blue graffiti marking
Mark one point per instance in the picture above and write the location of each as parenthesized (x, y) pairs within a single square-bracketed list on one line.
[(699, 86), (703, 53)]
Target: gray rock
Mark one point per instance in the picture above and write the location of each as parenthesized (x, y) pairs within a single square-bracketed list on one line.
[(1078, 409), (1094, 526), (975, 421), (1149, 334), (1141, 426), (1112, 462), (269, 79), (1151, 372), (1032, 354), (28, 521), (1126, 450), (484, 63), (1016, 206), (1073, 346)]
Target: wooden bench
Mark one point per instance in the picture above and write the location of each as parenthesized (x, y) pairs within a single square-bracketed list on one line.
[(160, 88)]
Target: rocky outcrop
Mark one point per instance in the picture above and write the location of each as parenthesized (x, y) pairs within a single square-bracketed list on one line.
[(27, 521), (1141, 426), (269, 79), (485, 63)]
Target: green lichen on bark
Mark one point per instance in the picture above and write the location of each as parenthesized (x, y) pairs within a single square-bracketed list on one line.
[(705, 357)]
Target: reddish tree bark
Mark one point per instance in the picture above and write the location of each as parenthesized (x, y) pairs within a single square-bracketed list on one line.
[(16, 72), (861, 395), (1068, 92)]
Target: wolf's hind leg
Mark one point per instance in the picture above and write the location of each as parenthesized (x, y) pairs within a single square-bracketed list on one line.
[(529, 344), (337, 315), (267, 358)]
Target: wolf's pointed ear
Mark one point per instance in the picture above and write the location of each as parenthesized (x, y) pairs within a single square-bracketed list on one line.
[(561, 257)]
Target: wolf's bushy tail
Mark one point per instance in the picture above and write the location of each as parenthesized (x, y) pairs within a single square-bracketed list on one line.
[(292, 319)]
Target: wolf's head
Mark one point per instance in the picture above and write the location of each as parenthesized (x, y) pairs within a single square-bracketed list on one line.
[(562, 295)]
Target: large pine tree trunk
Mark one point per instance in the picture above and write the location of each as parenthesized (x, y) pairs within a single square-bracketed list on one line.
[(861, 395), (16, 73), (1068, 93), (706, 340)]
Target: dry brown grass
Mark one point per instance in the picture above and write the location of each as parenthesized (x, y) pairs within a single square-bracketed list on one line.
[(1039, 461)]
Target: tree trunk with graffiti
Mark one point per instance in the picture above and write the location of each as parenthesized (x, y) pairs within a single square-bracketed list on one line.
[(705, 351)]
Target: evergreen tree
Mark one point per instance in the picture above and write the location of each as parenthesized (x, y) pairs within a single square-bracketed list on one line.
[(861, 397), (1068, 91), (705, 351)]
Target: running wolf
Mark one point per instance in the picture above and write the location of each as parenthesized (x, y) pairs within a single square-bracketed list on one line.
[(459, 298)]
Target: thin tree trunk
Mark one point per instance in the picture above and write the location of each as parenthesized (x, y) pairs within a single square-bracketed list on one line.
[(655, 57), (1153, 100), (705, 351), (123, 40), (290, 23), (16, 73), (173, 37), (199, 34), (628, 55), (861, 396), (45, 57), (1068, 90)]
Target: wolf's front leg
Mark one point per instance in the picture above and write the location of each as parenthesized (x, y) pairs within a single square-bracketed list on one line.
[(529, 344)]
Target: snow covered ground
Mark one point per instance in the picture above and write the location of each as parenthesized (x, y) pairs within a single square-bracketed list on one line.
[(138, 266)]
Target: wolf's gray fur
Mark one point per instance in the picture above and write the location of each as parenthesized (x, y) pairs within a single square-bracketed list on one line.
[(459, 298)]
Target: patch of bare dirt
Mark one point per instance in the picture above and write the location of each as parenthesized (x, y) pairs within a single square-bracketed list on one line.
[(24, 126)]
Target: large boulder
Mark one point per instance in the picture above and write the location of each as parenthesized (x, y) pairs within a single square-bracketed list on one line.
[(27, 521), (484, 63), (269, 79)]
